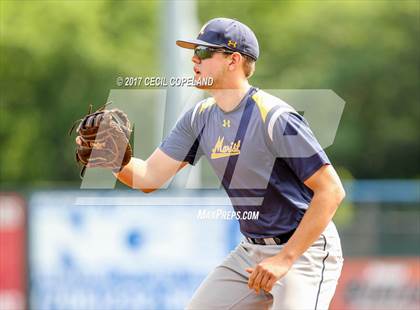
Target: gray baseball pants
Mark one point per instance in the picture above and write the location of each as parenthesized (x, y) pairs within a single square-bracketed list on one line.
[(309, 284)]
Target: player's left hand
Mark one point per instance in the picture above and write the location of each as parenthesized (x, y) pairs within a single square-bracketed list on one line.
[(267, 273), (103, 139)]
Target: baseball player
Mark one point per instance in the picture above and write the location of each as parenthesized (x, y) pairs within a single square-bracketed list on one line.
[(267, 160)]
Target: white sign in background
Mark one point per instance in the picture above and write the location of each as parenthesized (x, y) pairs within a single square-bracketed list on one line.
[(113, 251)]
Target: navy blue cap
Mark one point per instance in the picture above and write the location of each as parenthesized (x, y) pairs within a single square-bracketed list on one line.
[(225, 33)]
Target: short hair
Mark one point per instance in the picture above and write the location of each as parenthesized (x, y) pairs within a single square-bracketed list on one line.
[(248, 66)]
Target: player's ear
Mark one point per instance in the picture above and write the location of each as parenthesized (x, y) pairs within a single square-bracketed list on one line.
[(235, 60)]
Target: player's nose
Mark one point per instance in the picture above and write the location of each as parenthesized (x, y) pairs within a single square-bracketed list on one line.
[(195, 59)]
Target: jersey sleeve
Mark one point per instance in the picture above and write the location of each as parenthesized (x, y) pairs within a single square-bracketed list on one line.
[(295, 143), (182, 143)]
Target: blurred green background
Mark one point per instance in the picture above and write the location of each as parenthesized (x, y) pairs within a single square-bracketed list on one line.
[(59, 56)]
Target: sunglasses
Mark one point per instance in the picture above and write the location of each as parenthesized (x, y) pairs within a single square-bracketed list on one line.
[(204, 52)]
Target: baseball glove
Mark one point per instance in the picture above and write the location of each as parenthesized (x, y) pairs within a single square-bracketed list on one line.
[(103, 139)]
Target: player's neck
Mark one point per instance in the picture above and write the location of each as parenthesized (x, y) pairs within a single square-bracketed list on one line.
[(228, 99)]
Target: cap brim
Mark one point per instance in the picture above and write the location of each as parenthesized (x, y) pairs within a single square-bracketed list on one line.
[(192, 44)]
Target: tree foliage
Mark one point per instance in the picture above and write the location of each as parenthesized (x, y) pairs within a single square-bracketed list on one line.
[(57, 57), (365, 51)]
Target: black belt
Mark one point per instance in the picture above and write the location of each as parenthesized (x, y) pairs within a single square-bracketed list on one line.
[(280, 239)]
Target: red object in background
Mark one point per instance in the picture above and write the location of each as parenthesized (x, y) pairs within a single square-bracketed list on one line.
[(12, 252), (379, 283)]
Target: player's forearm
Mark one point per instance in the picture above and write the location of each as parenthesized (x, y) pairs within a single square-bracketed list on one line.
[(137, 175), (320, 212)]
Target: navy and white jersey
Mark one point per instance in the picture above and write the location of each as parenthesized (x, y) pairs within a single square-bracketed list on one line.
[(262, 152)]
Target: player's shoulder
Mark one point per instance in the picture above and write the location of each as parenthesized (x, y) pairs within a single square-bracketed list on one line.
[(274, 110), (202, 108), (270, 106)]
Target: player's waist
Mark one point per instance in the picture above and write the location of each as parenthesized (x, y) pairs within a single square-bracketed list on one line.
[(277, 240)]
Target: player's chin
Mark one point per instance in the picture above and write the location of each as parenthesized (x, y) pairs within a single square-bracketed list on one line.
[(201, 82), (203, 86)]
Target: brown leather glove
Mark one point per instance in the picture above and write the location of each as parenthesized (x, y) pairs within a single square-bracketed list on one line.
[(103, 140)]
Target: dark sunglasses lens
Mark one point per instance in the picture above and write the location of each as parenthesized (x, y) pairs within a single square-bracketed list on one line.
[(203, 53)]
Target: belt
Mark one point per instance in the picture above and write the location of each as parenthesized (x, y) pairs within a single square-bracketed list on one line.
[(280, 239)]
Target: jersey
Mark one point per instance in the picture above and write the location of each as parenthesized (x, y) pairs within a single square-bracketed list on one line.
[(262, 152)]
